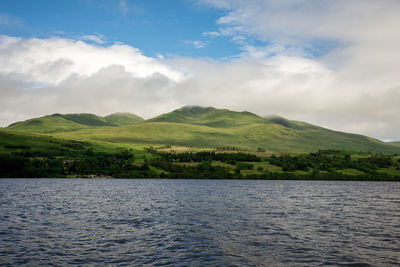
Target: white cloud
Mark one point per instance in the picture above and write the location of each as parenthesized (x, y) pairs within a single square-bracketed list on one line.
[(294, 87), (54, 60), (363, 56), (44, 76), (197, 44), (211, 34), (96, 38)]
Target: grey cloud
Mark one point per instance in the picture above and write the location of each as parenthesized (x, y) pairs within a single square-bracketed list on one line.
[(359, 94), (109, 90)]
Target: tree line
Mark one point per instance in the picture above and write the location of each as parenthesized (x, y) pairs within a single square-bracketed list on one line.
[(321, 165)]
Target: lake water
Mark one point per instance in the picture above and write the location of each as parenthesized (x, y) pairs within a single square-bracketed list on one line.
[(198, 223)]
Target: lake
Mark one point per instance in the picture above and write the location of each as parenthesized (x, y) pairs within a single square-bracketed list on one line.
[(198, 222)]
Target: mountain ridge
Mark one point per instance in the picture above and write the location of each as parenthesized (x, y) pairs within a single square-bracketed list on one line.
[(204, 127), (73, 121), (209, 116)]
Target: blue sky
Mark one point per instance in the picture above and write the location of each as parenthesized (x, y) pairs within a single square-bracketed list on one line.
[(155, 26), (331, 63)]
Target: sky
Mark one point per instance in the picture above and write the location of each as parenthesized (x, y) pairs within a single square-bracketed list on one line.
[(334, 63)]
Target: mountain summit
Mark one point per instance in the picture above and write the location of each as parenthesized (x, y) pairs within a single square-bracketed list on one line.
[(210, 116), (123, 118)]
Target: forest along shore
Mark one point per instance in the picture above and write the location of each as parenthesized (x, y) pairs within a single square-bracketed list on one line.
[(153, 163)]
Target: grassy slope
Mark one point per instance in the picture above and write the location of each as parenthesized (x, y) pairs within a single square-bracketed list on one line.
[(59, 123), (48, 144), (11, 138), (269, 136), (212, 117), (85, 119), (122, 118), (10, 141), (210, 128), (46, 124), (39, 142), (394, 143), (71, 122)]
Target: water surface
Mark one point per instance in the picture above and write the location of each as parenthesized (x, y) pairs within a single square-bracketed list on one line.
[(199, 222)]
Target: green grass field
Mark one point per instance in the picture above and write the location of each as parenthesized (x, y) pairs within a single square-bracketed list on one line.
[(395, 143), (64, 146), (15, 141)]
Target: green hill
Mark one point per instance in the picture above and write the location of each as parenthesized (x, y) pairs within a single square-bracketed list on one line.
[(212, 117), (11, 141), (46, 124), (123, 118), (200, 127), (85, 119), (59, 123), (72, 122)]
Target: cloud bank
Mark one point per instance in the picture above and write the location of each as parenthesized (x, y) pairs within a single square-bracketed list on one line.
[(332, 63)]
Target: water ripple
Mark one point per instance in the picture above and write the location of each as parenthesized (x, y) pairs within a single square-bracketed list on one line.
[(57, 222)]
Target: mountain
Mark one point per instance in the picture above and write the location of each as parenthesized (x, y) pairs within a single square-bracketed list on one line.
[(249, 131), (123, 118), (209, 116), (204, 127), (72, 122), (46, 124), (86, 119)]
